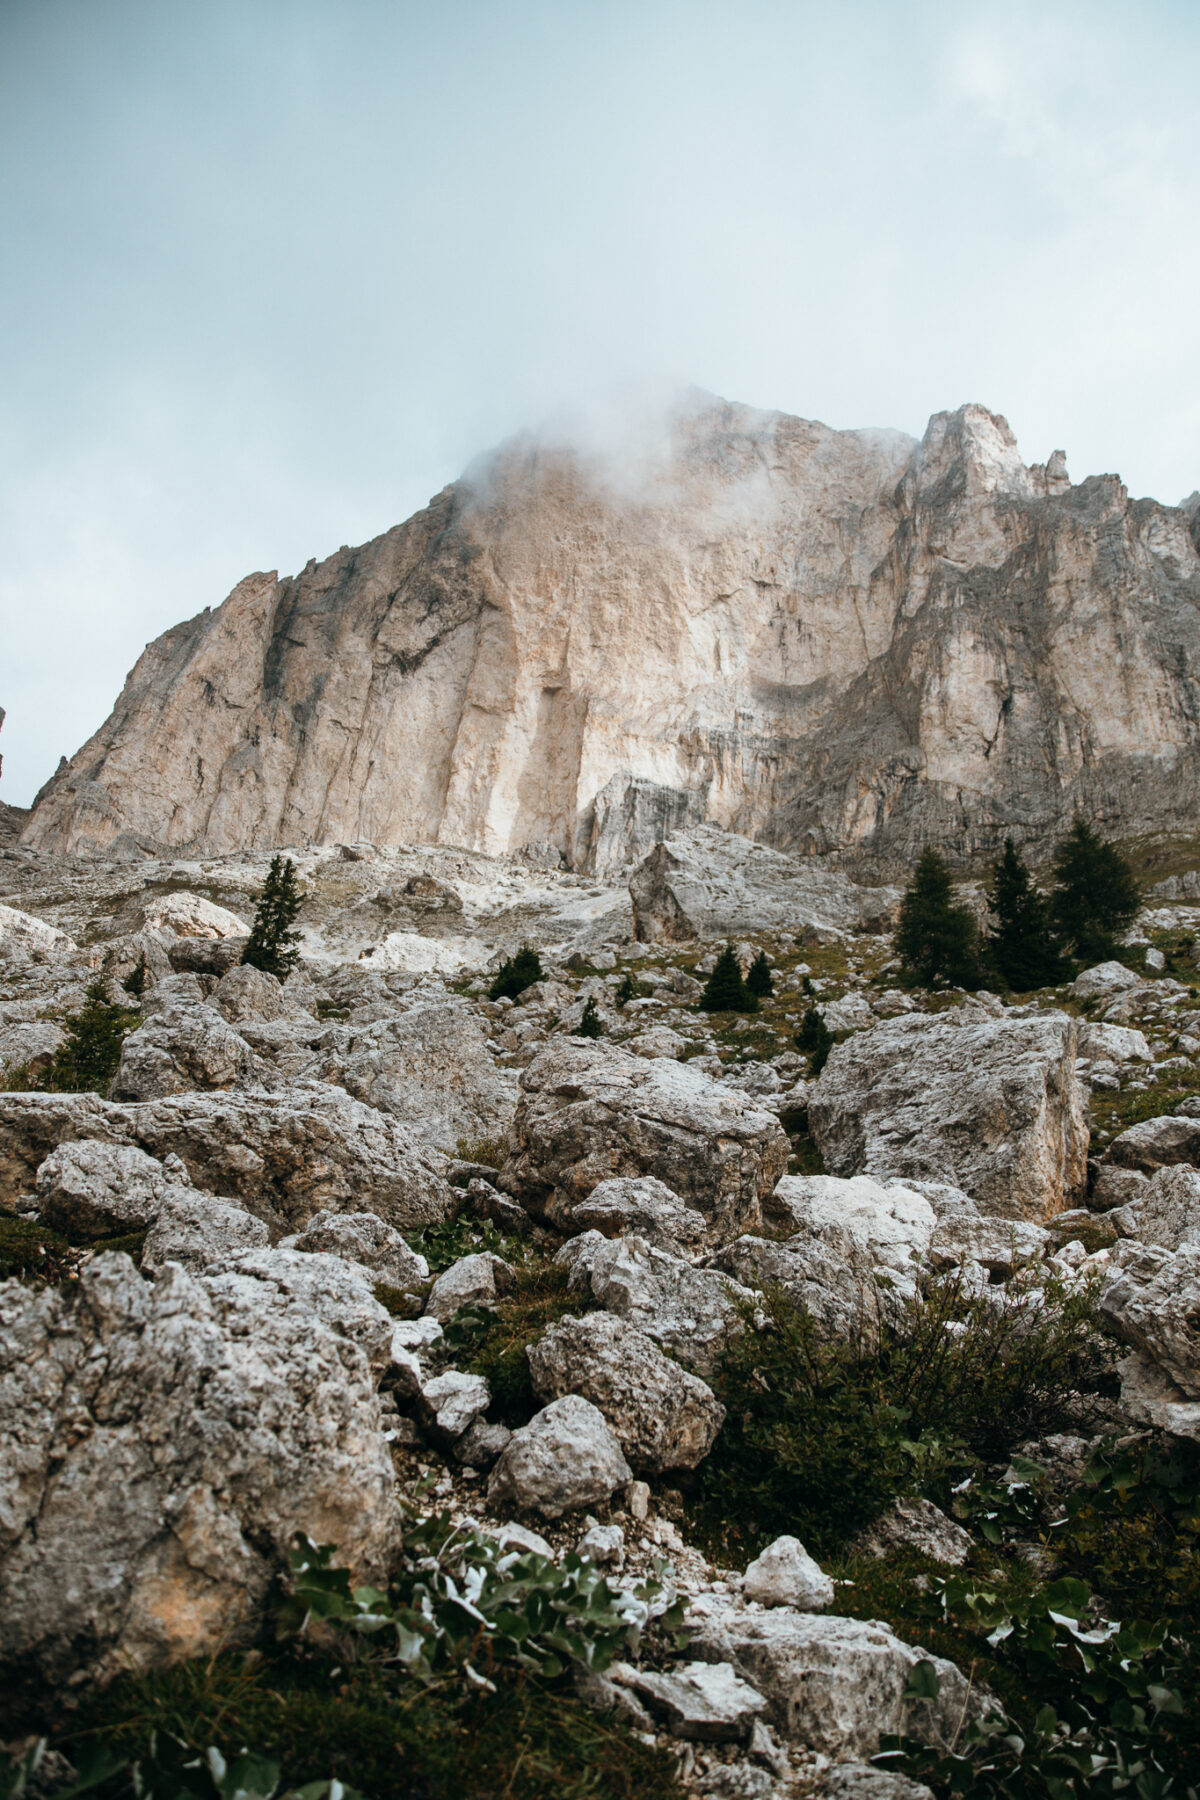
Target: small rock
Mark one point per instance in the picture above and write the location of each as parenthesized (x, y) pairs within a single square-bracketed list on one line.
[(703, 1702), (565, 1459), (477, 1280), (786, 1575)]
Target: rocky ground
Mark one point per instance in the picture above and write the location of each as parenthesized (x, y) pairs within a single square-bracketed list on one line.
[(334, 1255)]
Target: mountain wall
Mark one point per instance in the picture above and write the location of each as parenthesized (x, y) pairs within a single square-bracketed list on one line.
[(830, 641)]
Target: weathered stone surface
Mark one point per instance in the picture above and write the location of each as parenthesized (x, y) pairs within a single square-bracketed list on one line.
[(916, 1525), (663, 1416), (887, 1227), (182, 1050), (188, 915), (566, 1458), (590, 1111), (1156, 1144), (706, 883), (1001, 1246), (338, 1292), (140, 1520), (365, 1239), (477, 1280), (1167, 1210), (705, 1702), (859, 1781), (991, 1106), (786, 1575), (694, 1312), (286, 1155), (480, 675), (91, 1190), (836, 1685), (245, 992), (1104, 981), (201, 1232), (28, 1046), (1116, 1043), (1152, 1302), (1116, 1187), (640, 1204), (21, 931), (453, 1401), (834, 1283)]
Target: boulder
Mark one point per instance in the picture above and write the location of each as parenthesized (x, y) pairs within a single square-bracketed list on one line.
[(657, 1040), (786, 1575), (883, 1227), (851, 1013), (1156, 1144), (663, 1417), (477, 1280), (1001, 1246), (703, 1702), (1166, 1211), (1115, 1187), (201, 1232), (1113, 1043), (915, 1525), (1152, 1302), (29, 1045), (590, 1111), (693, 1312), (89, 1190), (285, 1155), (1104, 982), (22, 932), (860, 1781), (185, 1049), (709, 883), (161, 1448), (365, 1239), (338, 1292), (566, 1458), (640, 1204), (836, 1685), (247, 993), (189, 915), (453, 1401), (989, 1105)]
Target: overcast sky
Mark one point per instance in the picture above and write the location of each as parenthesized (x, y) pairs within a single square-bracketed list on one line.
[(272, 273)]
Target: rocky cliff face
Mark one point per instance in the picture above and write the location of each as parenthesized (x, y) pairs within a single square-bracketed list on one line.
[(829, 641)]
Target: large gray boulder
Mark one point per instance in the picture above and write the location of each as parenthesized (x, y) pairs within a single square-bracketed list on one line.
[(786, 1575), (201, 1232), (365, 1239), (566, 1458), (835, 1685), (837, 1288), (1156, 1144), (160, 1448), (590, 1111), (642, 1205), (182, 1050), (881, 1227), (89, 1190), (693, 1312), (663, 1416), (1152, 1302), (285, 1155), (1166, 1211), (989, 1105)]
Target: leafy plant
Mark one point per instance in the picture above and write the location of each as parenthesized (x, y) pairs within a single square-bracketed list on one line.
[(272, 944), (725, 991), (491, 1341), (443, 1243), (517, 973), (937, 939), (590, 1025)]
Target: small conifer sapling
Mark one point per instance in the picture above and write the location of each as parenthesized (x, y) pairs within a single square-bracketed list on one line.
[(273, 944), (590, 1025), (1095, 897), (759, 981), (1023, 945), (725, 991), (815, 1039), (86, 1061), (516, 974)]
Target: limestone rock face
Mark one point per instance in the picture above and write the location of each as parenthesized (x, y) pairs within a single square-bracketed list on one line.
[(989, 1105), (825, 640), (140, 1520)]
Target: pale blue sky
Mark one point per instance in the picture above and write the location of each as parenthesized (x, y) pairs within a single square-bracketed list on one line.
[(273, 271)]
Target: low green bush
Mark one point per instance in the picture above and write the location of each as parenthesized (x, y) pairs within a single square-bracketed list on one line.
[(491, 1341), (516, 974)]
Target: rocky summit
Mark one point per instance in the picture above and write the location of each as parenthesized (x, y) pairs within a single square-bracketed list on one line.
[(843, 642)]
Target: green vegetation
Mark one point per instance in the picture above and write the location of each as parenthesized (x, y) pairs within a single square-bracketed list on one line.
[(590, 1025), (86, 1061), (516, 974), (42, 1258), (725, 991), (491, 1341), (443, 1243), (937, 939), (273, 945), (758, 981), (821, 1436), (1095, 896), (629, 989), (815, 1040), (1023, 945)]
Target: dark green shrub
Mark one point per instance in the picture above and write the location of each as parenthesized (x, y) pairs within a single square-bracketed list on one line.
[(516, 974), (815, 1039), (491, 1341), (937, 939), (1095, 897), (272, 945), (725, 991), (135, 982), (759, 981), (820, 1436), (628, 990), (590, 1025), (1023, 945), (86, 1061)]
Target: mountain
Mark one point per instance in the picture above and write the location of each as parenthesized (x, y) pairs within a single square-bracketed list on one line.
[(832, 641)]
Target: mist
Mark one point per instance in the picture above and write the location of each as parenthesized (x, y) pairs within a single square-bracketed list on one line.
[(276, 272)]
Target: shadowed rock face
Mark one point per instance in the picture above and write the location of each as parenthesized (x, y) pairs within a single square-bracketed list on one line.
[(825, 640)]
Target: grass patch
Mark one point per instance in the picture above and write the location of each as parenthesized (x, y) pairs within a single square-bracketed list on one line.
[(1116, 1112)]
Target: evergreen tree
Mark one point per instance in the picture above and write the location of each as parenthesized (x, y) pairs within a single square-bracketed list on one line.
[(589, 1025), (627, 990), (516, 974), (725, 991), (1023, 944), (86, 1060), (759, 981), (272, 942), (815, 1039), (1095, 896), (937, 939)]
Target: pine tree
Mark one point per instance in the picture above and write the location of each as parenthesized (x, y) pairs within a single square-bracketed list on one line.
[(725, 991), (815, 1039), (589, 1025), (516, 974), (627, 990), (272, 945), (1095, 896), (1023, 944), (86, 1060), (937, 939), (758, 981)]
